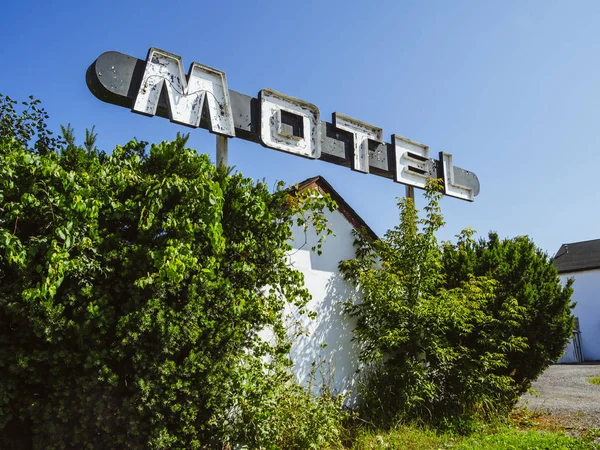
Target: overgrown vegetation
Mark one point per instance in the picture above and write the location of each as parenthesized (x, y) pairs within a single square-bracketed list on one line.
[(133, 290), (136, 286), (452, 333)]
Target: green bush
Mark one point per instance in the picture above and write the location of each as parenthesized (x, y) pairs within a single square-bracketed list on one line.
[(285, 415), (445, 336), (525, 277), (133, 287)]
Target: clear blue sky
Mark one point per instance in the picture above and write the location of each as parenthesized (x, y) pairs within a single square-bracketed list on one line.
[(510, 88)]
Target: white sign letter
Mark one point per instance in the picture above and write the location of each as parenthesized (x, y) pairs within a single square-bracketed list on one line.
[(275, 110), (412, 162), (185, 96), (451, 187), (361, 133)]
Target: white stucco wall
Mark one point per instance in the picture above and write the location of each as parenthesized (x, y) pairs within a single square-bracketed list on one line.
[(586, 292), (328, 339)]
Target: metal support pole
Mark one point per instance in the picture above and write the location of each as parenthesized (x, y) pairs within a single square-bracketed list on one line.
[(222, 151), (410, 192)]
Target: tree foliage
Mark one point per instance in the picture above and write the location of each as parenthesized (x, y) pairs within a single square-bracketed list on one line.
[(525, 277), (133, 290), (452, 330)]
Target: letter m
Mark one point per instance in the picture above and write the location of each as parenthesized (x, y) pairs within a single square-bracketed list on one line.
[(185, 96)]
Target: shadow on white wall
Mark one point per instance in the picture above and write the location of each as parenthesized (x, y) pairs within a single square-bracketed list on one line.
[(326, 354)]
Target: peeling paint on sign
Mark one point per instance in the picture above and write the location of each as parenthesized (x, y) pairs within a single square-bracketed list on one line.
[(361, 134), (274, 134), (159, 86), (186, 96), (412, 162)]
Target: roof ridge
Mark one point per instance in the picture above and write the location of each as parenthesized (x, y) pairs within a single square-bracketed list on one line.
[(343, 207), (580, 242), (578, 256)]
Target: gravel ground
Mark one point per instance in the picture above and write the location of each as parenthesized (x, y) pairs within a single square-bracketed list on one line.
[(563, 392)]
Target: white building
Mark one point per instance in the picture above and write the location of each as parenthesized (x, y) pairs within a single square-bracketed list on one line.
[(328, 340), (581, 261)]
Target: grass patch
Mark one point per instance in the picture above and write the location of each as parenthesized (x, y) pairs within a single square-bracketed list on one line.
[(406, 437), (525, 419), (512, 439), (526, 430), (594, 380), (400, 437)]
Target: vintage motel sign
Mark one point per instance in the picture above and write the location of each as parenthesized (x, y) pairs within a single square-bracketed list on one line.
[(159, 86)]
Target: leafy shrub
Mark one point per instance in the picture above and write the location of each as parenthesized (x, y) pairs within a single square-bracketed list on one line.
[(526, 278), (285, 415), (133, 289), (442, 337)]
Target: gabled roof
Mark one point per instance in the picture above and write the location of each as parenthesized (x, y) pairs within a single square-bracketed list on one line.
[(321, 185), (578, 256)]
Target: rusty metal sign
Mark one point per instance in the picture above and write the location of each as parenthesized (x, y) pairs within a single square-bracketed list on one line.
[(158, 86)]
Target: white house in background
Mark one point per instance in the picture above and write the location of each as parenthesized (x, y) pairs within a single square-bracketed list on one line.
[(328, 340), (581, 261)]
